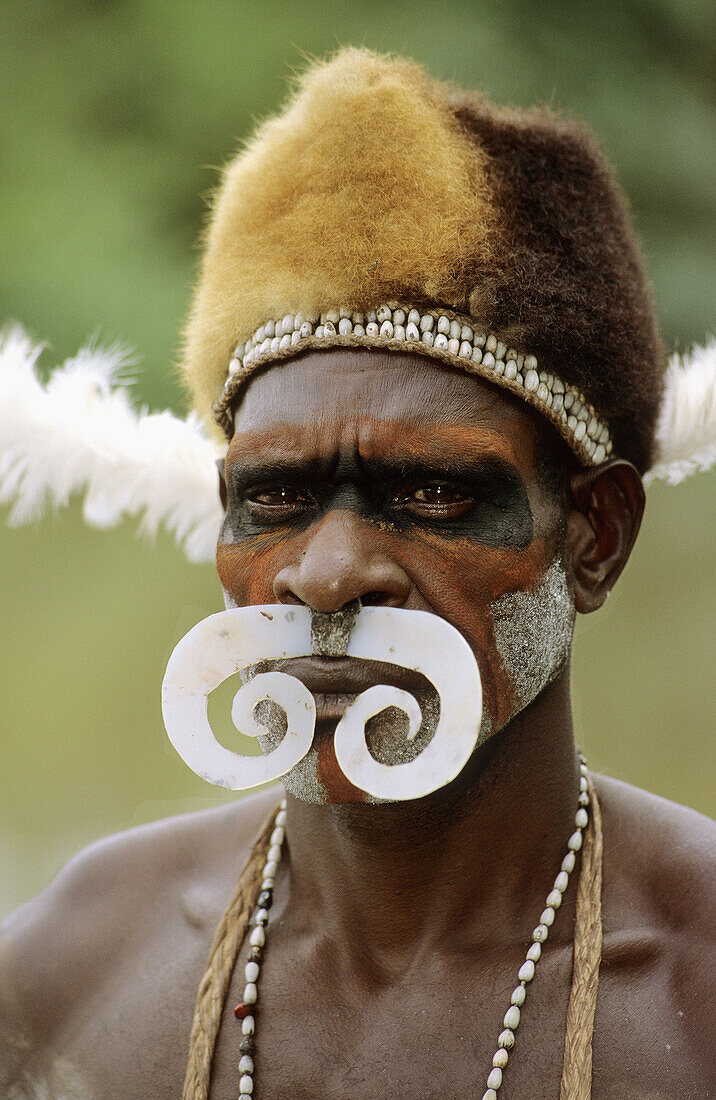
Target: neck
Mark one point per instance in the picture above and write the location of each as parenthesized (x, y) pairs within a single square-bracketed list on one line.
[(478, 857)]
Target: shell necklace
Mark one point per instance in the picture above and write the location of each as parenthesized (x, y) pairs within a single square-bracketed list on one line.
[(246, 1010)]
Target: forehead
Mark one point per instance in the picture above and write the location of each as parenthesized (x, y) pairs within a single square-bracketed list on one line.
[(378, 400)]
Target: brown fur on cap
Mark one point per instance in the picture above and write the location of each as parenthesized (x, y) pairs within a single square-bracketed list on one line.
[(378, 183)]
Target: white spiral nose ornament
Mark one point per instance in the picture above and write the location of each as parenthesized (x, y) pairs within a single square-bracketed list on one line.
[(223, 644)]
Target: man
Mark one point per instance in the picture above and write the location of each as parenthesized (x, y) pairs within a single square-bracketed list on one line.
[(423, 326)]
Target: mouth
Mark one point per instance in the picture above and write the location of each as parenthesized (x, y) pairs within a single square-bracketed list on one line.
[(336, 682)]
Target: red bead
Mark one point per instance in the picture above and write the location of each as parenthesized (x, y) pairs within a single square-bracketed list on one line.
[(242, 1010)]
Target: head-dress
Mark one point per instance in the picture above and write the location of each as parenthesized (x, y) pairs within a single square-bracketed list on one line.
[(384, 209)]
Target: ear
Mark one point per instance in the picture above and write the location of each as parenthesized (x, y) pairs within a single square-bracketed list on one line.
[(223, 494), (606, 506)]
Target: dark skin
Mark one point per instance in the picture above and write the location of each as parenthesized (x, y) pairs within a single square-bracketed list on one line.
[(397, 931)]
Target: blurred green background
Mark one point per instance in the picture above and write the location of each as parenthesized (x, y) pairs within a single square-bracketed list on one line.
[(114, 118)]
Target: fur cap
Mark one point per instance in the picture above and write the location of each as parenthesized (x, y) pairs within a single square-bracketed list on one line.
[(377, 183)]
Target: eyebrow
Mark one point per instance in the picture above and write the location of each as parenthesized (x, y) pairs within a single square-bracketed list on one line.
[(483, 468)]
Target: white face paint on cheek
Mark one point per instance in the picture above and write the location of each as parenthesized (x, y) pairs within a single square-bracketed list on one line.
[(533, 633)]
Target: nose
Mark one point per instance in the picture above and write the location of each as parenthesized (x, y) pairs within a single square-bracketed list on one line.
[(342, 562)]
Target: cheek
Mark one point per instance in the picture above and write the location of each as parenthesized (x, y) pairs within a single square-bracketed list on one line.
[(461, 581), (247, 569)]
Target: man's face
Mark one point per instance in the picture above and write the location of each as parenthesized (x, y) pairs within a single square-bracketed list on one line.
[(364, 474)]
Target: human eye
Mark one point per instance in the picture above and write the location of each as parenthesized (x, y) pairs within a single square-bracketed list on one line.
[(435, 499), (277, 502)]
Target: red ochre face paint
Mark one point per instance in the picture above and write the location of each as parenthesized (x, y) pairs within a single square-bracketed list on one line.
[(395, 480)]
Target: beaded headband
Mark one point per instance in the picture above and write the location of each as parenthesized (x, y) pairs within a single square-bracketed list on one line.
[(439, 334)]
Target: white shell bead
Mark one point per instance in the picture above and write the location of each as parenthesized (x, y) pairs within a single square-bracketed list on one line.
[(583, 784), (500, 350), (547, 916), (600, 454), (512, 1017), (345, 326), (491, 343), (539, 936), (265, 345), (271, 868), (319, 331), (542, 391), (479, 338), (500, 1058), (248, 1025), (527, 971), (274, 852), (518, 996), (414, 317), (511, 370), (580, 431), (358, 318), (530, 362), (398, 316), (398, 332), (234, 365), (441, 341), (358, 330), (257, 937), (268, 883), (534, 952), (306, 330), (476, 355), (246, 1085), (558, 402), (281, 818), (466, 333), (288, 323), (488, 359), (575, 841), (411, 330), (455, 328), (333, 316), (295, 337), (262, 916), (278, 835), (568, 863), (383, 314), (531, 381), (250, 993), (428, 339), (489, 1094), (246, 1065), (251, 971), (371, 329), (444, 325), (285, 341), (495, 1078), (426, 323), (581, 819), (259, 335), (371, 316), (506, 1039), (499, 367), (554, 899), (465, 349), (329, 329), (453, 346), (583, 798)]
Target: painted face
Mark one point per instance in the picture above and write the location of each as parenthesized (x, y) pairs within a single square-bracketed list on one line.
[(363, 474)]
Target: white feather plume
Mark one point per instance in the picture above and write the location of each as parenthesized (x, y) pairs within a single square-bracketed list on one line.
[(686, 428), (81, 433)]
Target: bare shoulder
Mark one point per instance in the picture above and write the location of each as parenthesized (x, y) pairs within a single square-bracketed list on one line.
[(155, 891), (661, 855)]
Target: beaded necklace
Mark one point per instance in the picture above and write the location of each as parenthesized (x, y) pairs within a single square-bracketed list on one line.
[(245, 1011)]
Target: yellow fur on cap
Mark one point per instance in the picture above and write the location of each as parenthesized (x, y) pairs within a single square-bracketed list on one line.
[(363, 190)]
